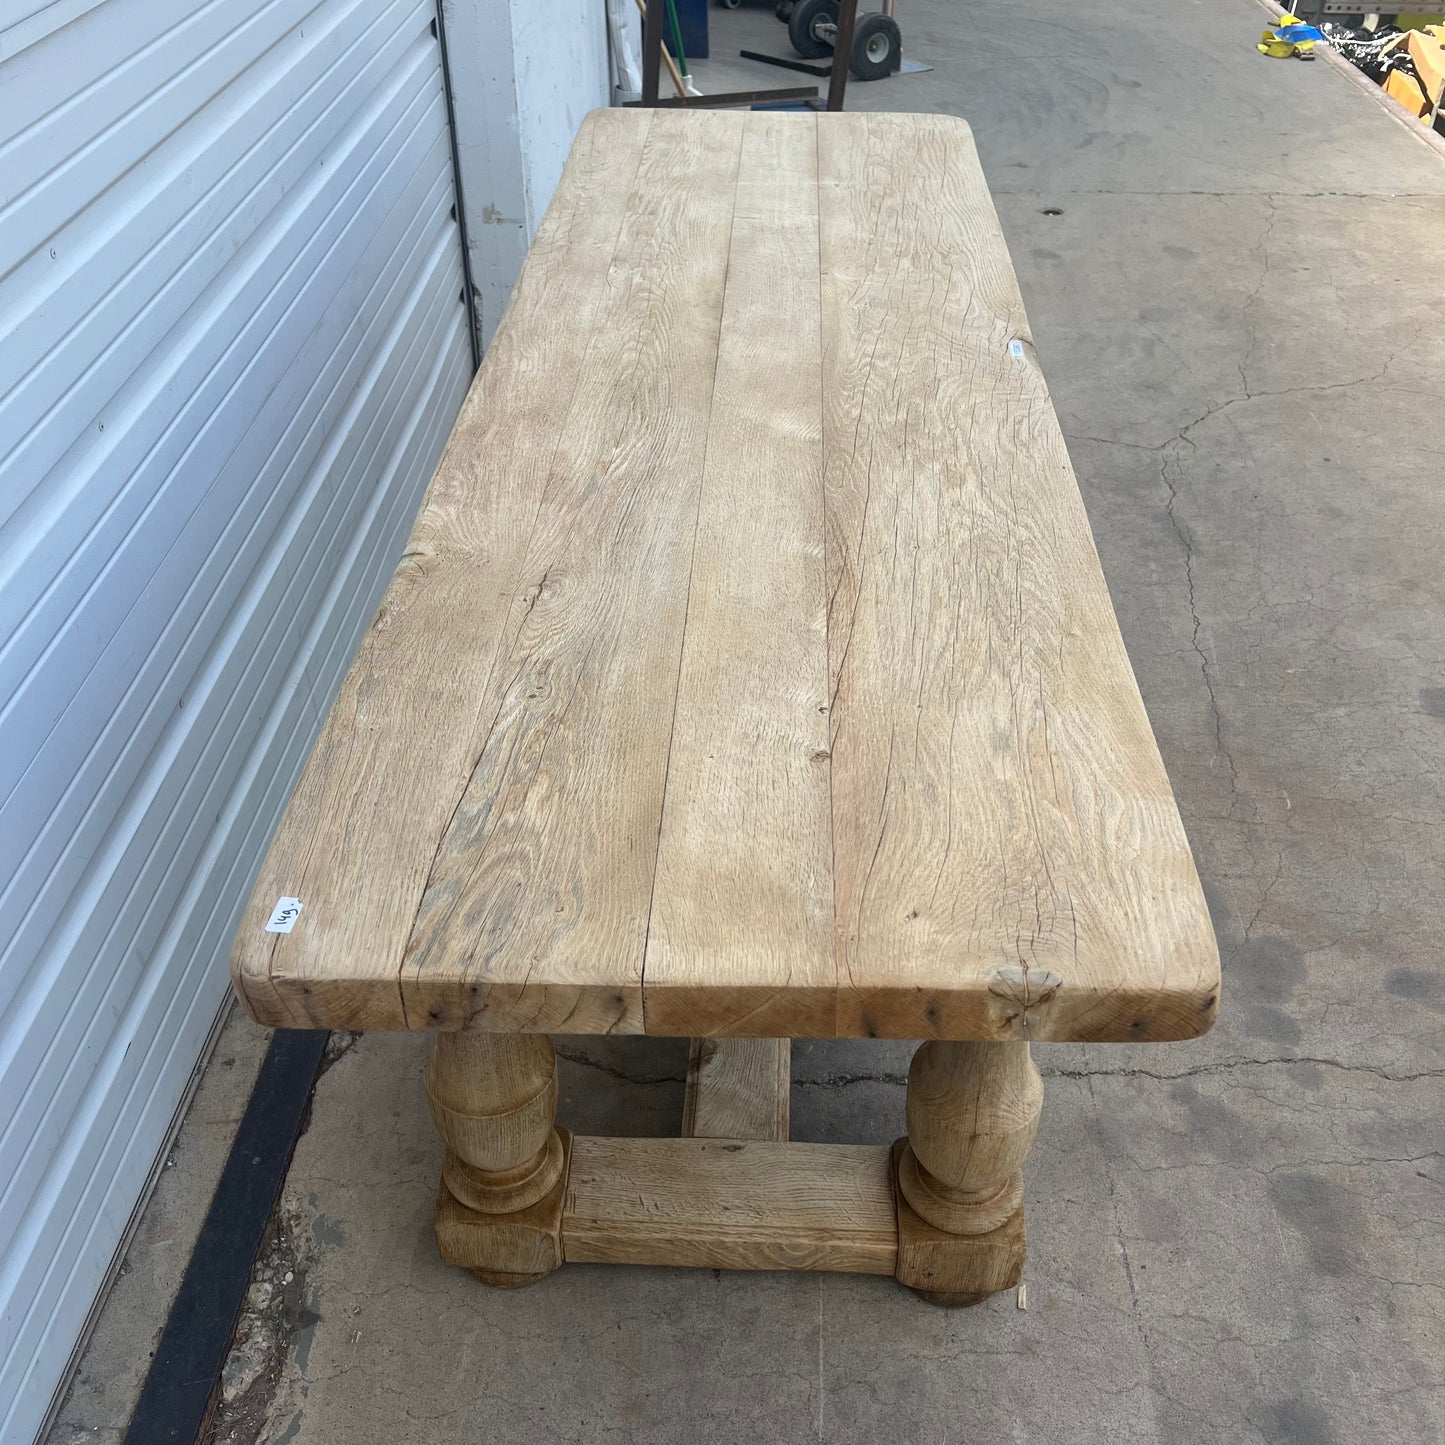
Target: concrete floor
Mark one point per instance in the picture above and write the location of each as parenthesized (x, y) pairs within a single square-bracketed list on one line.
[(1243, 1239)]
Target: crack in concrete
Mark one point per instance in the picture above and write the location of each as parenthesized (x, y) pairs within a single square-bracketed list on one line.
[(1263, 248), (1186, 543), (586, 1061), (1112, 1183), (341, 1043), (1250, 195), (895, 1080), (1225, 1065), (846, 1081), (1362, 1163), (263, 1377), (1171, 469), (1264, 897)]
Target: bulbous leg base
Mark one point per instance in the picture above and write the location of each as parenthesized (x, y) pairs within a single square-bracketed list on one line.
[(493, 1098), (507, 1251), (973, 1110)]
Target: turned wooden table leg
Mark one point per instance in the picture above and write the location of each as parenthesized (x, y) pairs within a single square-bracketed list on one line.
[(973, 1111), (493, 1098)]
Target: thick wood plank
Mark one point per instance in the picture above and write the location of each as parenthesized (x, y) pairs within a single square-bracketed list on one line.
[(743, 900), (535, 913), (751, 669), (359, 836), (738, 1089), (730, 1205), (1009, 861)]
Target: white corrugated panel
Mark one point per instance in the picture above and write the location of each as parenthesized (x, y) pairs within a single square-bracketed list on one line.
[(232, 343)]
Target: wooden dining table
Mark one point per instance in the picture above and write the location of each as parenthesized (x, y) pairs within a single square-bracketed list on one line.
[(749, 675)]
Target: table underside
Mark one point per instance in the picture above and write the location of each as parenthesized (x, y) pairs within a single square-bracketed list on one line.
[(750, 670)]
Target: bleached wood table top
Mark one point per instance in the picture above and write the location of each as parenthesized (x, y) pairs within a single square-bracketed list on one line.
[(750, 670)]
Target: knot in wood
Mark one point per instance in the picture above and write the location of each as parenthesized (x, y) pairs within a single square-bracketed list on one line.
[(1024, 987)]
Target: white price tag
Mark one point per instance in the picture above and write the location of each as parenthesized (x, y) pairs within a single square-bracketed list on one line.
[(1016, 349), (284, 915)]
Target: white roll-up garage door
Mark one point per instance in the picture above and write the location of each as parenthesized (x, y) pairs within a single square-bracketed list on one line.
[(233, 338)]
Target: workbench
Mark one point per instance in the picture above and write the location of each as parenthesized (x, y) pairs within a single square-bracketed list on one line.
[(749, 675)]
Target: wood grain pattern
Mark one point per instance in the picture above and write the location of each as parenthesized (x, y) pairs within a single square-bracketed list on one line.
[(956, 1269), (743, 900), (358, 838), (738, 1089), (1008, 857), (493, 1099), (730, 1205), (538, 899), (751, 669), (507, 1250), (973, 1113)]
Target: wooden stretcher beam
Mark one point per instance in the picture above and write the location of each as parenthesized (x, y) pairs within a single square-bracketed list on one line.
[(730, 1204)]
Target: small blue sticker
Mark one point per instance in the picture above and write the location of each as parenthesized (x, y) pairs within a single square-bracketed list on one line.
[(1016, 350)]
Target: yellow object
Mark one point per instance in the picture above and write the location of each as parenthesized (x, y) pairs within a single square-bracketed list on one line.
[(1406, 89), (1276, 48), (1427, 50)]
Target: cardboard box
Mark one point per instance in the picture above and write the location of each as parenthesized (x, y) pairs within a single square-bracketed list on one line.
[(1429, 56), (1406, 89)]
